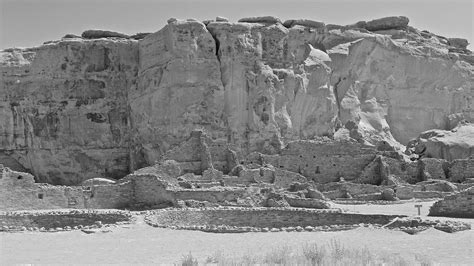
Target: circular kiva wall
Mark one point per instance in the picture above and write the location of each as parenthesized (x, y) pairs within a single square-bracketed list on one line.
[(260, 218), (16, 221)]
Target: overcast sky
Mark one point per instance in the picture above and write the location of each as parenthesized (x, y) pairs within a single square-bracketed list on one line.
[(25, 23)]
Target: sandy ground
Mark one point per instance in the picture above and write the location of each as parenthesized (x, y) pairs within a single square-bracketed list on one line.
[(139, 243)]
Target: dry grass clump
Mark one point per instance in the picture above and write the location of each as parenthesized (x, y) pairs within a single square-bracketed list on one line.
[(332, 253)]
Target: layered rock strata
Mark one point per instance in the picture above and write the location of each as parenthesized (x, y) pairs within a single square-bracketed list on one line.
[(78, 108)]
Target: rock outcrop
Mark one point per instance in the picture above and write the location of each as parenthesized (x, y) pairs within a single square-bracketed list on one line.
[(76, 109), (457, 143)]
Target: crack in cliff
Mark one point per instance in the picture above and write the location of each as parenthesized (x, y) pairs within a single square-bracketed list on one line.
[(336, 95), (217, 43), (217, 53), (225, 115)]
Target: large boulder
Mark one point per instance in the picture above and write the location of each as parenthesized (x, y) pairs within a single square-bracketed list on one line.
[(96, 34), (457, 143), (458, 42), (387, 23), (303, 22), (389, 195)]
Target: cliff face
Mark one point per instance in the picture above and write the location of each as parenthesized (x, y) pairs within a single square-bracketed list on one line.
[(78, 108), (64, 109)]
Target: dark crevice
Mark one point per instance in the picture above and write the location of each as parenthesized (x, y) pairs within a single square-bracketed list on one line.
[(337, 98), (216, 41)]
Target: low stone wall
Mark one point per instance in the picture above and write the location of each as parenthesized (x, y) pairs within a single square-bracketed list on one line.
[(60, 220), (239, 220), (416, 225), (263, 217), (210, 194), (459, 205)]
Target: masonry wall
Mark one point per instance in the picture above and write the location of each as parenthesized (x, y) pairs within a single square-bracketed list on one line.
[(149, 190), (114, 196), (461, 169), (266, 217), (458, 205), (61, 219), (18, 191), (324, 161), (190, 153), (211, 195)]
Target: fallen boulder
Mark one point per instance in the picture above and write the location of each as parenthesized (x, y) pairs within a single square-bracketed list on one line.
[(457, 143), (458, 42)]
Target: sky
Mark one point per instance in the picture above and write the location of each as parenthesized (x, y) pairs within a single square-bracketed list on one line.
[(26, 23)]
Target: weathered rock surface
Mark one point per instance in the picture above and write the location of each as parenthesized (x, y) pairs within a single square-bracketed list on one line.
[(387, 23), (77, 109), (457, 143), (64, 111), (303, 22)]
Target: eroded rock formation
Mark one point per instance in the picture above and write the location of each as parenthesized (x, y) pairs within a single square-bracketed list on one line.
[(78, 108), (457, 143)]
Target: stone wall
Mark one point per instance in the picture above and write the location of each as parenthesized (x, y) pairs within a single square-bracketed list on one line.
[(200, 152), (458, 205), (60, 219), (211, 195), (18, 191), (461, 169), (150, 190), (323, 161), (113, 196), (266, 217)]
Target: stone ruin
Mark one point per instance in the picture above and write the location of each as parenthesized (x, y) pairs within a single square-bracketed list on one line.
[(203, 173), (254, 114), (459, 205)]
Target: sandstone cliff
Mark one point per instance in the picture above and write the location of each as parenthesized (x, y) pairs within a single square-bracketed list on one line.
[(80, 108)]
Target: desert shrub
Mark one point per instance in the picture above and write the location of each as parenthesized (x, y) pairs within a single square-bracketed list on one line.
[(332, 253), (189, 260), (338, 251), (279, 255), (314, 254)]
